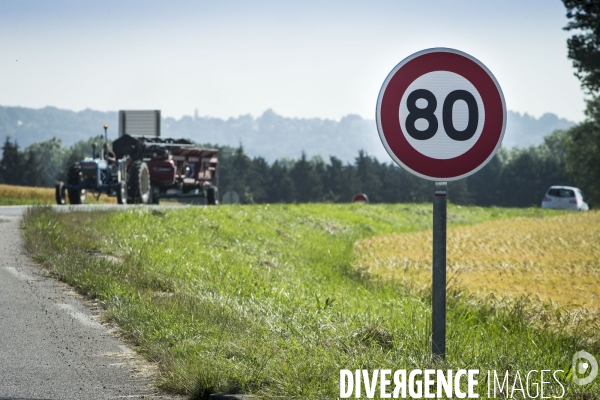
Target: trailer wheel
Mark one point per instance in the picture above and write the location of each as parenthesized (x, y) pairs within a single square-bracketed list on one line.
[(74, 178), (138, 183), (60, 193), (122, 193), (212, 196)]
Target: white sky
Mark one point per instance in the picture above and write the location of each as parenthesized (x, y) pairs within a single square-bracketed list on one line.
[(304, 58)]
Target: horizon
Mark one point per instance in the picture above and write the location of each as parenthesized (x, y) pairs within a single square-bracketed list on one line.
[(256, 116)]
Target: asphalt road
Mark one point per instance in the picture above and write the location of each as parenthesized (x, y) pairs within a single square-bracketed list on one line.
[(51, 343)]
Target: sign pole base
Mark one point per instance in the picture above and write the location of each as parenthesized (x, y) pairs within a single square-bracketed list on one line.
[(438, 287)]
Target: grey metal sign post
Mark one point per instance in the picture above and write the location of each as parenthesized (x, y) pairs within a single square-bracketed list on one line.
[(438, 285), (440, 115)]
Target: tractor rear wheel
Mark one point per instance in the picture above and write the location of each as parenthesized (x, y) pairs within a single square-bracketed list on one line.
[(60, 193), (122, 193), (138, 183), (74, 178)]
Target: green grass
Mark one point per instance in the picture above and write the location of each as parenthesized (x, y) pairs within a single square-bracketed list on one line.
[(266, 300)]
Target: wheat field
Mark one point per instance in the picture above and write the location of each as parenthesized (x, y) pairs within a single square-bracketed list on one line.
[(17, 195), (27, 193), (550, 260)]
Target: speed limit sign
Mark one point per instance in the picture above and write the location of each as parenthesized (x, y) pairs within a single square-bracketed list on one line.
[(441, 114)]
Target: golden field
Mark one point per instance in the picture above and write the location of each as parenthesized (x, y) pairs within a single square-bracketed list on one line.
[(26, 193), (15, 195), (552, 260)]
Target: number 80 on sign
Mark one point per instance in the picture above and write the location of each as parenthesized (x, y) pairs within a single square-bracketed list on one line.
[(441, 114)]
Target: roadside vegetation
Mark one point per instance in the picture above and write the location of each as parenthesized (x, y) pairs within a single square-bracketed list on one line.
[(271, 299)]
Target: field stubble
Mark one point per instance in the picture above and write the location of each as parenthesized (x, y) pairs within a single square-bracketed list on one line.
[(552, 265)]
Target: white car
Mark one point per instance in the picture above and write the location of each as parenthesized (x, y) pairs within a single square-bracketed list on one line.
[(564, 198)]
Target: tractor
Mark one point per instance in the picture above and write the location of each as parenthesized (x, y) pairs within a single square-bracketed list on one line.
[(142, 169), (127, 179), (178, 170)]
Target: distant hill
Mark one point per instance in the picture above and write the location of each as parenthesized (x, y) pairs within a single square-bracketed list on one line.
[(27, 125), (269, 135), (523, 130), (273, 136)]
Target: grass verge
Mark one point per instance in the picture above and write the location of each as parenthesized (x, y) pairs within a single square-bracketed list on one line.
[(267, 300)]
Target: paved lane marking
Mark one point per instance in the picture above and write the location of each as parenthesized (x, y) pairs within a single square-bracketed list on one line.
[(82, 318), (19, 275)]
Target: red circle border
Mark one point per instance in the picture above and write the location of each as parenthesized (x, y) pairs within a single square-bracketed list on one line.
[(388, 121)]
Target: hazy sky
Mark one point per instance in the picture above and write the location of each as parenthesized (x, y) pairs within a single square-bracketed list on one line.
[(302, 59)]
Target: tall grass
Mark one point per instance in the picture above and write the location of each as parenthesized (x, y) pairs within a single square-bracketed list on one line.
[(267, 299)]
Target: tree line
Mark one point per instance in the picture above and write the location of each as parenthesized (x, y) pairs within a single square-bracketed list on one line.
[(513, 178), (41, 164)]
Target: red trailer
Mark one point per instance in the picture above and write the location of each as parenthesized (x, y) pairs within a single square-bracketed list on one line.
[(178, 170)]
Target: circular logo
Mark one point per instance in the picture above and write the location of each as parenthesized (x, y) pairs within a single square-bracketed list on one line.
[(580, 369), (441, 114)]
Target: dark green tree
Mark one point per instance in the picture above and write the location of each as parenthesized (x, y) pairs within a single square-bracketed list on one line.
[(333, 181), (52, 156), (306, 181), (458, 192), (583, 152), (234, 169), (485, 184), (320, 170), (257, 179), (584, 46), (392, 183), (280, 186), (11, 164), (84, 147), (32, 172), (368, 174), (583, 143)]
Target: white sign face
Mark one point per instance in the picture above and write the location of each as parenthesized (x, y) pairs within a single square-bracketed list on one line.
[(441, 84), (441, 114)]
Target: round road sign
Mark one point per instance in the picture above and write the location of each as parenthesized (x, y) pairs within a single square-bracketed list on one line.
[(441, 114), (360, 198)]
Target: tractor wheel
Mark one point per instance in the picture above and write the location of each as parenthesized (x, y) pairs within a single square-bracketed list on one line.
[(122, 193), (60, 193), (74, 179), (212, 196), (138, 183)]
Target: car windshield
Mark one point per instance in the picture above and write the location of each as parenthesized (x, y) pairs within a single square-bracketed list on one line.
[(561, 193)]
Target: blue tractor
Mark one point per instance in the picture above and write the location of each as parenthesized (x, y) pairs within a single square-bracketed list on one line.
[(124, 178)]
